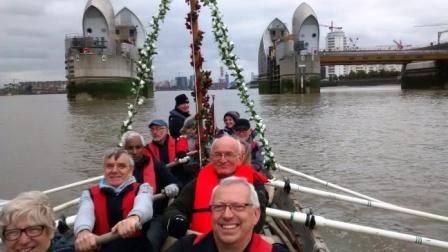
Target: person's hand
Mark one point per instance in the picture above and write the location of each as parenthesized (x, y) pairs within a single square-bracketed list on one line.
[(177, 226), (86, 241), (171, 190), (127, 227), (183, 160)]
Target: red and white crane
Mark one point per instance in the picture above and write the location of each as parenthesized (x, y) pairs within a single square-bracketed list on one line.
[(332, 27)]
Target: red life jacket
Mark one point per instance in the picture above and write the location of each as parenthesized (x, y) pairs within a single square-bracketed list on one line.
[(201, 220), (257, 243), (183, 145), (149, 175), (171, 149), (101, 212)]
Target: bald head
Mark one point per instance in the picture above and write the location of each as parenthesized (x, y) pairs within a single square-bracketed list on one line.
[(225, 155)]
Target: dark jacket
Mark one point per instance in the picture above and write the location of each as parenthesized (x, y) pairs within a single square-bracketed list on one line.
[(163, 178), (185, 244), (184, 203), (176, 122), (60, 244)]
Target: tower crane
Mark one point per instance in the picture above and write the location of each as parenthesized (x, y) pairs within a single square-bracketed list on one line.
[(332, 27)]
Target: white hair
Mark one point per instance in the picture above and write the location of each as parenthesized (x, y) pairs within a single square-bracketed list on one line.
[(234, 180), (234, 140), (33, 205), (131, 135)]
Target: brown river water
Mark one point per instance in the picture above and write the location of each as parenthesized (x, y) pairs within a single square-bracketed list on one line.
[(379, 140)]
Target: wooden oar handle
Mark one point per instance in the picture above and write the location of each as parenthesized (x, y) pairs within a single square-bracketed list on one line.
[(174, 163), (106, 238)]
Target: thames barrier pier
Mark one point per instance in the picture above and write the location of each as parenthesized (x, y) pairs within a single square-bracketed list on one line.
[(102, 61), (290, 62)]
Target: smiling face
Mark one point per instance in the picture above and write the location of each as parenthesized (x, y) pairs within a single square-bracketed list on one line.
[(229, 122), (225, 156), (184, 107), (37, 243), (233, 226), (117, 171)]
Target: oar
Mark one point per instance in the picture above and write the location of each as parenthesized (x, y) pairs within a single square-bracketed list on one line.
[(382, 205), (175, 163), (323, 222), (325, 183)]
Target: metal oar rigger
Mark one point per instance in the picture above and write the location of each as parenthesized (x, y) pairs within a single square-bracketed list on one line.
[(368, 203), (318, 221)]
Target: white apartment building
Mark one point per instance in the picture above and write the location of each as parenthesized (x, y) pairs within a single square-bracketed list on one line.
[(335, 41)]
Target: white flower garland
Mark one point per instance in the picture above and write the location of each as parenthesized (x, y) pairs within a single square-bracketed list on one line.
[(144, 66), (226, 46)]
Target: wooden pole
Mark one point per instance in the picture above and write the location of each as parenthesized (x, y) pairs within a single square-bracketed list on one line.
[(194, 15)]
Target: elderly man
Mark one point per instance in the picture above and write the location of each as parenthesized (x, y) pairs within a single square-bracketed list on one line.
[(151, 171), (192, 205), (117, 204), (163, 146), (235, 211), (178, 115), (244, 132)]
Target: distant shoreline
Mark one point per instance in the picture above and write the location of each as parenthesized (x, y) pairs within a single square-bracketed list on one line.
[(361, 82)]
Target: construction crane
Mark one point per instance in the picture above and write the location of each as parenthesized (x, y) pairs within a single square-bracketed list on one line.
[(400, 45), (332, 27)]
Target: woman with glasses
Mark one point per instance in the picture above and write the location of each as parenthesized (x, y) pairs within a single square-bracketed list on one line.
[(27, 224)]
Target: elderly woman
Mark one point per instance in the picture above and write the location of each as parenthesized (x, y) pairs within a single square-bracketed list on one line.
[(27, 224)]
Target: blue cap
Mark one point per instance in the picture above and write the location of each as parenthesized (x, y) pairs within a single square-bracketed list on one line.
[(158, 122)]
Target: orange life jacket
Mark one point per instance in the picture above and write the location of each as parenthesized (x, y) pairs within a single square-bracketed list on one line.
[(99, 199), (206, 181)]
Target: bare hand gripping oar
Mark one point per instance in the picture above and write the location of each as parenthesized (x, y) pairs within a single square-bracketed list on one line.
[(108, 237), (383, 205), (318, 221)]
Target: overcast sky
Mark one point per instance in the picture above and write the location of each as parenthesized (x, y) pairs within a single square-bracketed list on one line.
[(32, 32)]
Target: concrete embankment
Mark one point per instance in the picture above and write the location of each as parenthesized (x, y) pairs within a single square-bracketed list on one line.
[(361, 82)]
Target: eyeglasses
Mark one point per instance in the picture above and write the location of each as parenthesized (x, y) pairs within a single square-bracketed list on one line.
[(31, 231), (137, 147), (225, 155), (155, 128), (234, 207)]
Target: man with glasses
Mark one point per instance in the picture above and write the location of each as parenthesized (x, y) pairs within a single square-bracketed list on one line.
[(235, 211), (116, 204), (163, 146), (193, 204)]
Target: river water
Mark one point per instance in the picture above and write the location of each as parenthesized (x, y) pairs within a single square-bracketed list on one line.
[(381, 141)]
